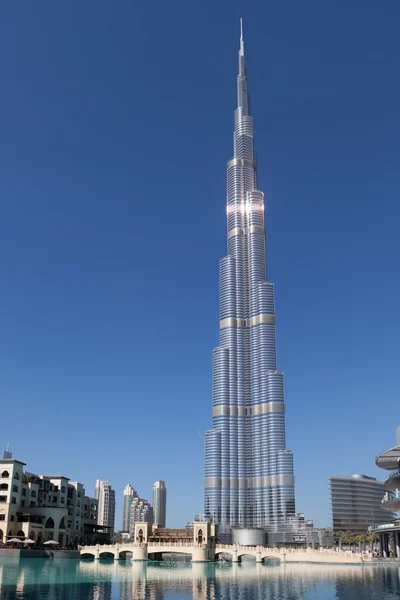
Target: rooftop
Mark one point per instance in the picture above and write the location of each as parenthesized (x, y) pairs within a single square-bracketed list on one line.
[(389, 459)]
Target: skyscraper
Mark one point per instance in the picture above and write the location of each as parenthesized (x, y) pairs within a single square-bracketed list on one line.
[(141, 512), (249, 480), (160, 503), (106, 511), (129, 494)]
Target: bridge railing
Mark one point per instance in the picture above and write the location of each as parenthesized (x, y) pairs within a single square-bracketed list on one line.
[(158, 544), (177, 544)]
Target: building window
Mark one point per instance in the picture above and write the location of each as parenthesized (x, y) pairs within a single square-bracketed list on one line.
[(33, 494), (5, 475), (22, 502), (3, 486), (15, 488), (24, 491), (54, 498), (12, 518), (16, 476), (63, 489), (2, 517), (13, 500), (49, 523), (62, 500)]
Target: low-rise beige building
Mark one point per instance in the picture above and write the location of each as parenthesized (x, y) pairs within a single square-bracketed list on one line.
[(45, 507)]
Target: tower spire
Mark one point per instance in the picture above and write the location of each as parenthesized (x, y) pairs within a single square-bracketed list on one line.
[(243, 95)]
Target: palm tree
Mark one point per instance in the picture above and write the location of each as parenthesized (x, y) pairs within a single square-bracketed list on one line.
[(340, 537)]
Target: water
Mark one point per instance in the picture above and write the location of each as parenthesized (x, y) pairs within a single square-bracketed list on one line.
[(63, 579)]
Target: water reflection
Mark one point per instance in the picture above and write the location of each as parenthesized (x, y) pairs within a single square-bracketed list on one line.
[(108, 580)]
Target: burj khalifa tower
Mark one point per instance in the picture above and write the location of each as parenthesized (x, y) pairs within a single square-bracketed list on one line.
[(249, 479)]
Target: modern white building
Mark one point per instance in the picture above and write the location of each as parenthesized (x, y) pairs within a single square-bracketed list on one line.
[(160, 503), (106, 500), (129, 494), (44, 507)]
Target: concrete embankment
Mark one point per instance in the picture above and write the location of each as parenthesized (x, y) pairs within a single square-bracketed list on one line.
[(16, 553)]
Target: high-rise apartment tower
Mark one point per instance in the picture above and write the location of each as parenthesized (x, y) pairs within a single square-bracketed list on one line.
[(249, 480), (106, 511), (129, 494), (141, 512), (160, 503)]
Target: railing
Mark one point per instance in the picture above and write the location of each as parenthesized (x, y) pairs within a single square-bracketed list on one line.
[(393, 475), (385, 526), (389, 496)]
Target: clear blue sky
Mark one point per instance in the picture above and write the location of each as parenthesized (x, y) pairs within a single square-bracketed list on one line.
[(116, 123)]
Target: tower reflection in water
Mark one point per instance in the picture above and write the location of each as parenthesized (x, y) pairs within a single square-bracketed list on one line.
[(99, 580)]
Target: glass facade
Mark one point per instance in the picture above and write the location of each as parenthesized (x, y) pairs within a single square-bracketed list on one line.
[(160, 503), (129, 494), (249, 479), (357, 503)]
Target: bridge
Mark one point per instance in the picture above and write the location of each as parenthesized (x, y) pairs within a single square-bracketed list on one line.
[(200, 544), (234, 553)]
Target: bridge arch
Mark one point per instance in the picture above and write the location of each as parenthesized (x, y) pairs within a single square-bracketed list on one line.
[(156, 553), (219, 552), (88, 555), (107, 554), (270, 558), (246, 554), (123, 554)]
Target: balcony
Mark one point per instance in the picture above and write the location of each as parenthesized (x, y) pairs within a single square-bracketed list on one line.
[(391, 500), (392, 481)]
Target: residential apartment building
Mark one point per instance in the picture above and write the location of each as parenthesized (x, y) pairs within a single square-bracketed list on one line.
[(106, 499), (141, 512), (129, 494), (44, 507), (160, 503)]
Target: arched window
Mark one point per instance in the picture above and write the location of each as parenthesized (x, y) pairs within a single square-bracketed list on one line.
[(1, 535), (5, 474), (49, 523), (33, 493), (16, 476), (200, 536), (140, 536), (3, 486), (63, 489), (20, 534), (62, 523)]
